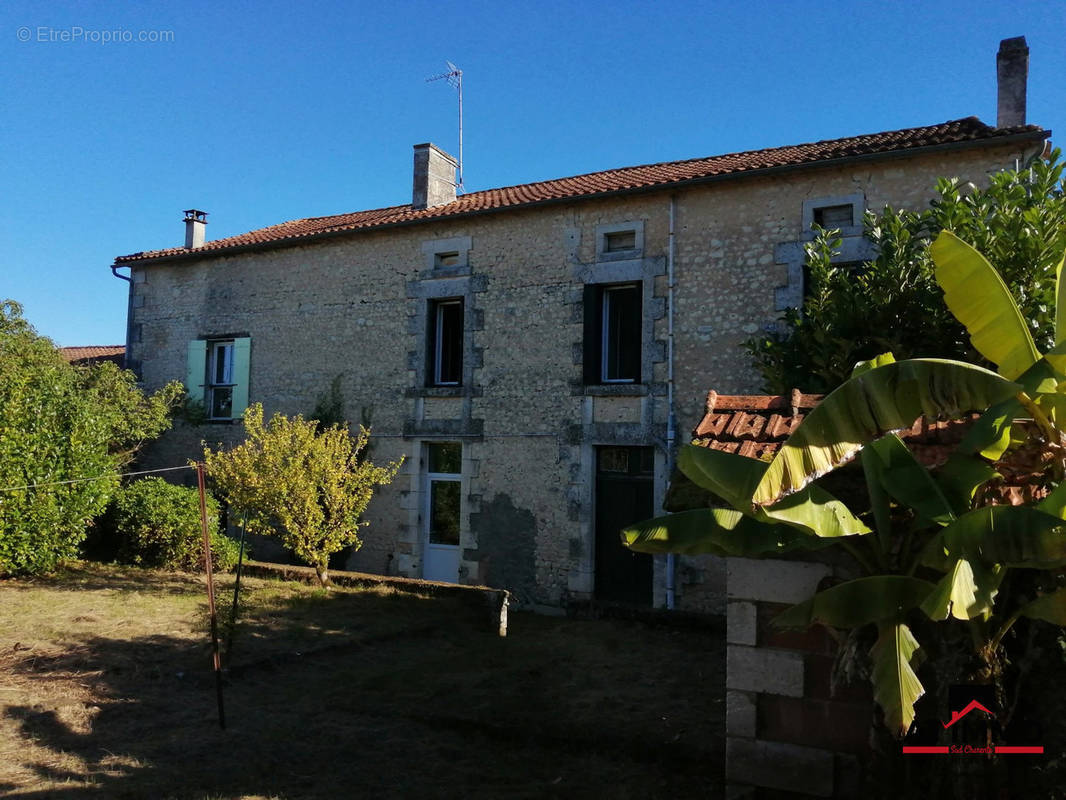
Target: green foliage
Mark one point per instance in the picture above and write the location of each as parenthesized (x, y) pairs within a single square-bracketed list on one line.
[(61, 423), (158, 525), (893, 304), (934, 557), (329, 409), (307, 487)]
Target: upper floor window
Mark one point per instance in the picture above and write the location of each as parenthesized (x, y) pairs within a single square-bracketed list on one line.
[(835, 217), (613, 333), (837, 212), (217, 376), (620, 241), (445, 342)]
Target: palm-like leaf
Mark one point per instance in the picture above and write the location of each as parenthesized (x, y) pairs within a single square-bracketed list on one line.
[(981, 301), (1050, 608), (967, 591), (717, 531), (858, 602), (906, 480), (733, 478), (1014, 536), (896, 686), (867, 406)]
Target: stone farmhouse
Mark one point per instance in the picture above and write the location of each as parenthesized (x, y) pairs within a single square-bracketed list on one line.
[(536, 352)]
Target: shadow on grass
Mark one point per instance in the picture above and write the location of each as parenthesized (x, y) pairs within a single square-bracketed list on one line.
[(384, 695)]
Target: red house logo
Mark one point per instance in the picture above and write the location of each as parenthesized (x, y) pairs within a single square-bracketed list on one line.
[(966, 749)]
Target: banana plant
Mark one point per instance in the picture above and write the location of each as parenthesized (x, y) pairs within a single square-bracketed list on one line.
[(929, 544)]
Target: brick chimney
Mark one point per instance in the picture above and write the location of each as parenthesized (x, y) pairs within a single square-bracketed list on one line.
[(434, 183), (1012, 75), (195, 222)]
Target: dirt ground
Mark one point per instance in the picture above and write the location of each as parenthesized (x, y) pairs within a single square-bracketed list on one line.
[(106, 690)]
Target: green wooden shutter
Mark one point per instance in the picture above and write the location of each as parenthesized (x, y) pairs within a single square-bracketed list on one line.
[(196, 370), (242, 351)]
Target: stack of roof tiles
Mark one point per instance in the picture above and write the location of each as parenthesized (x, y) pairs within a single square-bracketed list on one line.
[(94, 354), (757, 425)]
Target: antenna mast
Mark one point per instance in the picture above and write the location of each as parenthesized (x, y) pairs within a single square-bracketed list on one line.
[(454, 76)]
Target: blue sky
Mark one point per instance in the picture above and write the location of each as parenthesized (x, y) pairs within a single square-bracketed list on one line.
[(268, 111)]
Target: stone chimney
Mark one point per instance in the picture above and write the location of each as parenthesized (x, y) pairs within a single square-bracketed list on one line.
[(434, 183), (195, 222), (1012, 75)]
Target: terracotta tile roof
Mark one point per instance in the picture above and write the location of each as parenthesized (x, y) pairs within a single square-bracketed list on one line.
[(94, 354), (961, 131), (756, 425)]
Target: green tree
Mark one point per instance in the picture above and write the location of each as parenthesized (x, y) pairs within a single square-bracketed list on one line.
[(307, 487), (60, 423), (929, 546), (893, 304)]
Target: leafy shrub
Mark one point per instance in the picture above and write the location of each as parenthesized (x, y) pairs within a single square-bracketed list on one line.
[(158, 525), (60, 425)]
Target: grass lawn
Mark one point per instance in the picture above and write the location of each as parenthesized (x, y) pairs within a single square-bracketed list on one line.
[(106, 690)]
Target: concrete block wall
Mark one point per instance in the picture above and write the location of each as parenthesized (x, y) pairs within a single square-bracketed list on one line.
[(787, 727)]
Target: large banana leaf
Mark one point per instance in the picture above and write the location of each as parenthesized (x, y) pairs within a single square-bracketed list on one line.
[(1050, 608), (1015, 536), (896, 686), (869, 405), (733, 478), (981, 301), (718, 531), (1055, 502), (858, 602), (960, 477), (967, 591), (907, 481)]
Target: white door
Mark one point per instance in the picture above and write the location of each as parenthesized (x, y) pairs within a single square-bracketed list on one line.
[(443, 495)]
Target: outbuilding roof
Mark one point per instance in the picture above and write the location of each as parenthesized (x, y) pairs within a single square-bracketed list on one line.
[(969, 131)]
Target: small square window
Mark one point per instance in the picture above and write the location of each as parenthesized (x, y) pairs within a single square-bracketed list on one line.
[(613, 338), (445, 340), (835, 217), (446, 259), (619, 241)]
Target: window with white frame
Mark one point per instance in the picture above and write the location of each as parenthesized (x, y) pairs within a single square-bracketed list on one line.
[(220, 381), (444, 491), (445, 340), (217, 376)]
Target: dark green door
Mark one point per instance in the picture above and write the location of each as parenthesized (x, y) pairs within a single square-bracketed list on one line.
[(625, 493)]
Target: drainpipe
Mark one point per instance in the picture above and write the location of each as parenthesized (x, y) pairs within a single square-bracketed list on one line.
[(671, 420), (129, 309)]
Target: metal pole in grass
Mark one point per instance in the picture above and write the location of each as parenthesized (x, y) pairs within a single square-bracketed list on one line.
[(236, 592), (210, 592)]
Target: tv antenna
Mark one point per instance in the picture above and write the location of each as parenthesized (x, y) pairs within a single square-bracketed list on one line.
[(454, 76)]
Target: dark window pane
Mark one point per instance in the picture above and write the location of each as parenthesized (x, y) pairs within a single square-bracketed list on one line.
[(446, 259), (444, 512), (446, 457), (222, 403), (832, 217), (621, 240), (446, 343), (621, 334)]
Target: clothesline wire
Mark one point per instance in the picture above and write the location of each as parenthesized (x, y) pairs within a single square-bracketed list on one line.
[(97, 478)]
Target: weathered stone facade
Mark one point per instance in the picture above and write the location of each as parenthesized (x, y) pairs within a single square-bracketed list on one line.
[(356, 306)]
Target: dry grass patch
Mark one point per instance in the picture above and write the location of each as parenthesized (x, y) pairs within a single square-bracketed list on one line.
[(107, 692)]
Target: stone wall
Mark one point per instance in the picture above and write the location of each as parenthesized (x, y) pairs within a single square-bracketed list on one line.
[(356, 306)]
